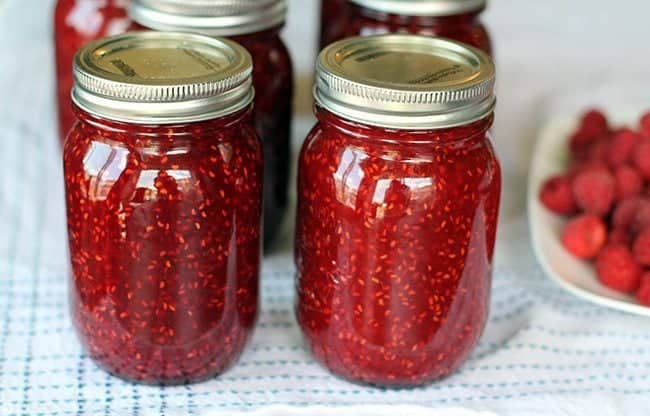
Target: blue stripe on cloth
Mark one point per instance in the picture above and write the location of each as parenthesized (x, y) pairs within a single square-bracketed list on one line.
[(81, 400)]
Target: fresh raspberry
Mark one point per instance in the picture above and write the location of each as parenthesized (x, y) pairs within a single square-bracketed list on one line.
[(585, 165), (594, 122), (619, 236), (557, 195), (599, 152), (621, 148), (644, 125), (594, 190), (642, 158), (643, 294), (628, 182), (584, 236), (642, 218), (617, 269), (642, 247), (579, 144), (625, 213)]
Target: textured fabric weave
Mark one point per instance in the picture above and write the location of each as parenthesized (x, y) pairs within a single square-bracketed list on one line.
[(544, 352)]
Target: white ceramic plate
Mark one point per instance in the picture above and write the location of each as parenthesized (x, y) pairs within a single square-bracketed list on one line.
[(575, 276)]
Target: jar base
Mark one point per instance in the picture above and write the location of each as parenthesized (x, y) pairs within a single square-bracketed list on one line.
[(180, 381), (361, 365), (157, 373), (392, 385)]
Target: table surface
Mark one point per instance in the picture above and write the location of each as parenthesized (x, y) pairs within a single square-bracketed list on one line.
[(544, 352)]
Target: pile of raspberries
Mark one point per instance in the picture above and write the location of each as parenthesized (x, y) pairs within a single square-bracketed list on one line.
[(606, 194)]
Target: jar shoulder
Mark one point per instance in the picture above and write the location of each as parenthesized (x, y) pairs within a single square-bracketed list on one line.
[(271, 56), (465, 28), (362, 174), (122, 164), (397, 146), (90, 19)]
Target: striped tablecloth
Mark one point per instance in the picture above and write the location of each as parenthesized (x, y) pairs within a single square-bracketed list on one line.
[(544, 352)]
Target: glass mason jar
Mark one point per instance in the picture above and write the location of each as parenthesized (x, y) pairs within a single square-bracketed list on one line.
[(333, 19), (398, 199), (163, 174), (77, 22), (256, 26), (454, 19)]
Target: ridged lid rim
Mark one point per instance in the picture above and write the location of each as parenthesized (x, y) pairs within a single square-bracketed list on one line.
[(404, 106), (130, 98)]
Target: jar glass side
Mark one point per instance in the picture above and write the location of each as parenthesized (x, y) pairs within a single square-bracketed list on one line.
[(272, 115), (394, 244), (76, 23), (334, 15), (164, 232), (273, 79)]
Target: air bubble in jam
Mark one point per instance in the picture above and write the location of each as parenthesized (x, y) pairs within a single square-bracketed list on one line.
[(77, 22), (394, 245), (165, 233)]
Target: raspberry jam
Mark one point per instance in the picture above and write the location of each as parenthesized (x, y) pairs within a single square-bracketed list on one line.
[(256, 26), (164, 205), (272, 114), (333, 20), (77, 22), (458, 20), (398, 200)]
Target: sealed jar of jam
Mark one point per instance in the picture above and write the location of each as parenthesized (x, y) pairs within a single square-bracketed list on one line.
[(255, 25), (333, 19), (453, 19), (398, 199), (77, 22), (163, 174)]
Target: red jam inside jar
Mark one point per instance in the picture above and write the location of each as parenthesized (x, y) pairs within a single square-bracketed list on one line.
[(272, 78), (164, 215), (77, 22), (396, 224), (272, 115), (333, 20), (459, 21)]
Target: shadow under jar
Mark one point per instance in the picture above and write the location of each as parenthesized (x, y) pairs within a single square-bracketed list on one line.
[(454, 19), (163, 174), (77, 22), (398, 199), (255, 25)]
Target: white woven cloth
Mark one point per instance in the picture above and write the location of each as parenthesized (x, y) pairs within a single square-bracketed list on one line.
[(543, 353)]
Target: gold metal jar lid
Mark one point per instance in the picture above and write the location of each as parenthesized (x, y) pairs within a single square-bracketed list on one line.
[(405, 81), (210, 17), (433, 8), (162, 78)]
